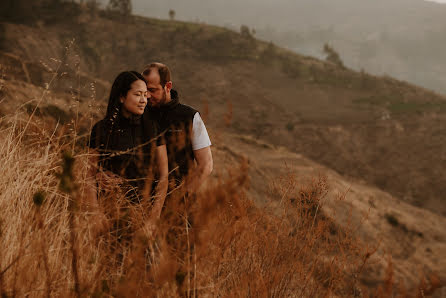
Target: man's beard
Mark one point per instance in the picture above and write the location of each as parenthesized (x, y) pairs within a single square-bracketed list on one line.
[(163, 100), (160, 102)]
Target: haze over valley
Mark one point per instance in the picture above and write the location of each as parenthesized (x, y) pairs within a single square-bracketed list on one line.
[(405, 39)]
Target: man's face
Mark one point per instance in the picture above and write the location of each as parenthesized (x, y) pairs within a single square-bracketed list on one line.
[(157, 94)]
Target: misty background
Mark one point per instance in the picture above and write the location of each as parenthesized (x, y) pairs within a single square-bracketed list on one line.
[(401, 38)]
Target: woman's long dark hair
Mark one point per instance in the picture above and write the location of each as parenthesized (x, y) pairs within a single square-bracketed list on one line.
[(120, 87)]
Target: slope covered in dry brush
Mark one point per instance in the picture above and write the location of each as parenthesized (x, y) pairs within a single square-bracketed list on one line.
[(219, 243)]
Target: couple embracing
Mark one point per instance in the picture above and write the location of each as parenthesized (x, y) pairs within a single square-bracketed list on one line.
[(148, 140)]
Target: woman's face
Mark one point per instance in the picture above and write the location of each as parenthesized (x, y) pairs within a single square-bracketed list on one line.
[(136, 99)]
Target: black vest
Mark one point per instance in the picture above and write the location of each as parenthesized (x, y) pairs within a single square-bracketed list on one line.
[(175, 123)]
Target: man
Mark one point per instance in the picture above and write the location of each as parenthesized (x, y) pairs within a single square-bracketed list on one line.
[(185, 134), (189, 158)]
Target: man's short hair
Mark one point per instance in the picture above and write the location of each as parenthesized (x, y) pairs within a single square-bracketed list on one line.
[(163, 71)]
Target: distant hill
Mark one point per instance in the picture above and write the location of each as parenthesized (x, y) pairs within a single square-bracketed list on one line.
[(382, 131), (401, 38)]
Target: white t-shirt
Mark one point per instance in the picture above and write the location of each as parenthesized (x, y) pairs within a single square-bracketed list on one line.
[(200, 137)]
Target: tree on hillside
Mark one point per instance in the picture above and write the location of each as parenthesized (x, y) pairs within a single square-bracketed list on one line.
[(332, 55), (245, 32), (172, 14), (123, 7)]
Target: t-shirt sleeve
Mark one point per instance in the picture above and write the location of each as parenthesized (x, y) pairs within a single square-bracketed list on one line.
[(200, 137)]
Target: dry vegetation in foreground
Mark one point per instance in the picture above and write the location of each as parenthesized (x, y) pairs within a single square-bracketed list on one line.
[(215, 244)]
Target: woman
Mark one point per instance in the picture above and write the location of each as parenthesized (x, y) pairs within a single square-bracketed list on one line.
[(125, 145)]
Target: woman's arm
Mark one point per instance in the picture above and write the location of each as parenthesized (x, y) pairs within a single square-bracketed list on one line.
[(90, 190), (161, 188), (100, 222)]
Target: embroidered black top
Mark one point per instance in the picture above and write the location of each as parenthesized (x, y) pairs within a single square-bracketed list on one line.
[(126, 147)]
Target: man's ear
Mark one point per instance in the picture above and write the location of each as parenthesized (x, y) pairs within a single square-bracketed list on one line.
[(168, 86)]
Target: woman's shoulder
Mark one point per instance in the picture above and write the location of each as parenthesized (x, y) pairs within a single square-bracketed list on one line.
[(100, 125), (98, 134)]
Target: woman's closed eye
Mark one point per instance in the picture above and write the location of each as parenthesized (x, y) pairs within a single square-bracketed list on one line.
[(139, 94)]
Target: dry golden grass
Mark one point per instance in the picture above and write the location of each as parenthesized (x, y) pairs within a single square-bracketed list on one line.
[(216, 243)]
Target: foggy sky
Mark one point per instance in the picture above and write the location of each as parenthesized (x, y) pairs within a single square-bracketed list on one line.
[(401, 38)]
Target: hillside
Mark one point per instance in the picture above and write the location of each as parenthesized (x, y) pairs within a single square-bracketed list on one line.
[(413, 237), (407, 42), (382, 131)]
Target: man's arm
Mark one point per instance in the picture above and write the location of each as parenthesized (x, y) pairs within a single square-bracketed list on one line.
[(204, 167), (202, 154), (148, 229)]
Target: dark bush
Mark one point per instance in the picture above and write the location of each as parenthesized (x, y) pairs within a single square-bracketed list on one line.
[(56, 113), (245, 32), (392, 220), (290, 126), (28, 12), (50, 111), (333, 56)]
